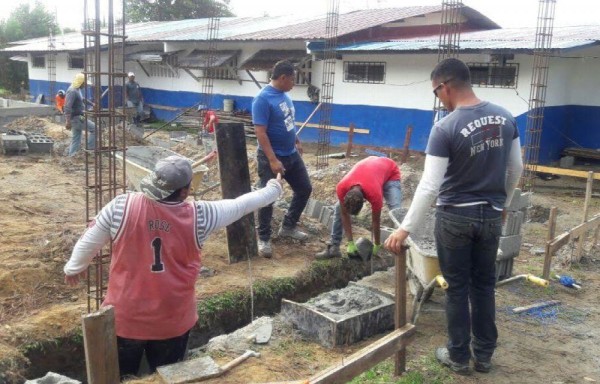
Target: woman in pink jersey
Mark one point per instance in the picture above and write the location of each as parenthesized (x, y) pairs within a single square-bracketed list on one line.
[(157, 239)]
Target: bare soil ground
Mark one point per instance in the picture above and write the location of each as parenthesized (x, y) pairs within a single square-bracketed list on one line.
[(42, 215)]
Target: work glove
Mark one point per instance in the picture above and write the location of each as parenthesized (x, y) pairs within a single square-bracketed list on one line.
[(376, 248), (352, 250)]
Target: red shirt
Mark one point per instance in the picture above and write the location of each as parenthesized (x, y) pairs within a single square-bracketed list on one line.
[(370, 174), (210, 128), (153, 270)]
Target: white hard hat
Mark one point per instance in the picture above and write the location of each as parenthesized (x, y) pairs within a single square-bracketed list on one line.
[(130, 74)]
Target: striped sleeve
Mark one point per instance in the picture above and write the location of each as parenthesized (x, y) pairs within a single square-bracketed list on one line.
[(214, 215), (110, 217)]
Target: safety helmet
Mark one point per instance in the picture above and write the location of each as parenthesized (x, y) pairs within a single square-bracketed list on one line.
[(61, 92)]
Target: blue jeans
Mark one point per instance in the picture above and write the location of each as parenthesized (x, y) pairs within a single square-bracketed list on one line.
[(139, 108), (158, 353), (297, 177), (392, 194), (467, 243), (77, 127)]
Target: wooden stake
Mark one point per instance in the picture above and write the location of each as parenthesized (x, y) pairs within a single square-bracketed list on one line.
[(409, 130), (100, 344), (586, 206), (350, 138), (551, 232), (235, 181), (400, 309)]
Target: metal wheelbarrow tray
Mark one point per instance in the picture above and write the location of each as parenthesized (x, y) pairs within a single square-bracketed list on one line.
[(141, 160)]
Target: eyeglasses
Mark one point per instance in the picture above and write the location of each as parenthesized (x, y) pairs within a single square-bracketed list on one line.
[(436, 89)]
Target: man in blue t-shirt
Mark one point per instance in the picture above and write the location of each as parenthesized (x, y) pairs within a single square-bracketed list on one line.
[(279, 151), (473, 165)]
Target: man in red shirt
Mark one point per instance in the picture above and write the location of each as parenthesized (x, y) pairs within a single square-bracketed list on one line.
[(371, 179)]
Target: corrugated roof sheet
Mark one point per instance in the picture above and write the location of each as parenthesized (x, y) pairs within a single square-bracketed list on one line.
[(498, 39), (251, 28)]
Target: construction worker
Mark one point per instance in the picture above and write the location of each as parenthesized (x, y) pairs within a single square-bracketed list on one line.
[(473, 165), (74, 114), (59, 101), (279, 151), (209, 124), (373, 179), (134, 98), (157, 237)]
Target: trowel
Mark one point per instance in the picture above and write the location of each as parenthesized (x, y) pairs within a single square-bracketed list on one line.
[(262, 334)]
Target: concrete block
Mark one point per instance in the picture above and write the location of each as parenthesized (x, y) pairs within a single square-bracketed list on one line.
[(326, 214), (513, 223), (14, 144), (341, 317), (509, 247), (567, 161), (53, 378), (520, 201), (313, 208), (40, 144), (504, 269)]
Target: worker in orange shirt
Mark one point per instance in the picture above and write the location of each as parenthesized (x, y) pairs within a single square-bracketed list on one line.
[(59, 101)]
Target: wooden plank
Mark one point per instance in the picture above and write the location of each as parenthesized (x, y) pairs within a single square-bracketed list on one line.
[(585, 227), (100, 344), (552, 223), (235, 181), (308, 118), (586, 208), (400, 310), (560, 171), (363, 131), (367, 357), (558, 242), (544, 304)]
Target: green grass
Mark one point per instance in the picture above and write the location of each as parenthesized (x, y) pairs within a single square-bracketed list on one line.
[(425, 370)]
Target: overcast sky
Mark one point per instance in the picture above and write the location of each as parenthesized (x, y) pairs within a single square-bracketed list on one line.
[(507, 13)]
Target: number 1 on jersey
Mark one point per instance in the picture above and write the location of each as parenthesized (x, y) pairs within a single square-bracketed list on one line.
[(158, 266)]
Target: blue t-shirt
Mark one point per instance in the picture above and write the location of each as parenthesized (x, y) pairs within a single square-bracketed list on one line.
[(477, 141), (275, 110)]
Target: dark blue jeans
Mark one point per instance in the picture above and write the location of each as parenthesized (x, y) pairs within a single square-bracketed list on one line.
[(297, 177), (467, 242), (158, 353)]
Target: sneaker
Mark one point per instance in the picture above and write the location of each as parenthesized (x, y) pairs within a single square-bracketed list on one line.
[(330, 252), (443, 356), (482, 366), (292, 233), (264, 249)]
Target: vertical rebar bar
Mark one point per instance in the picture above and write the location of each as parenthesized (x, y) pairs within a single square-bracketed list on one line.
[(51, 64), (537, 92), (327, 83), (212, 34), (103, 67), (449, 43)]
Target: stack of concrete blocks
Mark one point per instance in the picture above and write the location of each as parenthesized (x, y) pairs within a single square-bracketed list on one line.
[(13, 144), (510, 241)]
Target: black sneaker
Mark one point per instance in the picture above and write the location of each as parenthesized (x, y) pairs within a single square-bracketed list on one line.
[(482, 366), (443, 356)]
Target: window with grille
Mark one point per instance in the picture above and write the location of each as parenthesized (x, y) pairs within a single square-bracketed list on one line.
[(38, 61), (75, 61), (223, 72), (166, 68), (304, 73), (364, 72), (494, 75)]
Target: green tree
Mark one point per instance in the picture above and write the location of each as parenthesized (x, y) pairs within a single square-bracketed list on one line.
[(23, 23), (166, 10)]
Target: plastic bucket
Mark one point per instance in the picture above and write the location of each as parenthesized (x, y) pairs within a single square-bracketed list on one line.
[(228, 105)]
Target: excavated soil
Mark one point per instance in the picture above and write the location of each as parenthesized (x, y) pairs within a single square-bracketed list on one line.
[(42, 202)]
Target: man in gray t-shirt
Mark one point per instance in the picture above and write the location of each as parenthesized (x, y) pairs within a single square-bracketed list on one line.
[(473, 165), (134, 97)]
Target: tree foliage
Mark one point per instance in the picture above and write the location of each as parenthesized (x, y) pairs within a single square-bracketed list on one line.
[(166, 10), (23, 23)]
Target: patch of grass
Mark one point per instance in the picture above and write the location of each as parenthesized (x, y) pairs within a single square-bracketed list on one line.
[(425, 370)]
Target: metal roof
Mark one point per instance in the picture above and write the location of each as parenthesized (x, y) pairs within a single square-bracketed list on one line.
[(498, 39), (290, 27), (264, 59)]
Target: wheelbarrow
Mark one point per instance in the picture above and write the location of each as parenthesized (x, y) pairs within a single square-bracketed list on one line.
[(141, 160)]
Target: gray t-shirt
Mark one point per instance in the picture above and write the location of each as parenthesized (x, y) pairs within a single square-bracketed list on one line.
[(477, 142), (134, 93)]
